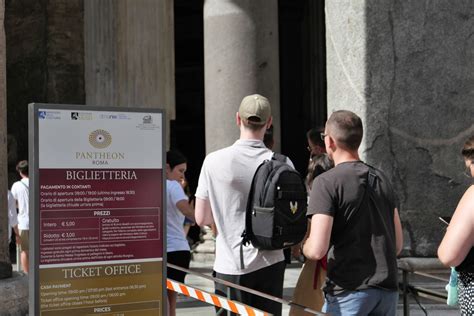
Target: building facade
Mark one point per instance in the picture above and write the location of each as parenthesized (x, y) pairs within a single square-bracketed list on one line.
[(404, 66)]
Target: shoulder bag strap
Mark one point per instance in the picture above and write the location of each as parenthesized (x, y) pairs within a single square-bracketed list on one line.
[(370, 185)]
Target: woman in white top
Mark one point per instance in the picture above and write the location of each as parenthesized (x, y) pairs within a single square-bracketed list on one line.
[(177, 208), (20, 192)]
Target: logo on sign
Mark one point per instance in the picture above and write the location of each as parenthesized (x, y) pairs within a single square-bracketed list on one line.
[(100, 138), (147, 123), (147, 119), (115, 116), (81, 116), (49, 115)]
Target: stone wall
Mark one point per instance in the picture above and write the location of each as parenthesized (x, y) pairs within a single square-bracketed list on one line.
[(406, 68), (14, 295)]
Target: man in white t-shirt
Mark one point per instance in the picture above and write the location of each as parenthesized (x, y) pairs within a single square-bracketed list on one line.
[(221, 199), (20, 192)]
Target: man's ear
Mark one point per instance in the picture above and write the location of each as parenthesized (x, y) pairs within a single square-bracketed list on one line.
[(332, 143), (168, 168), (238, 120), (270, 121)]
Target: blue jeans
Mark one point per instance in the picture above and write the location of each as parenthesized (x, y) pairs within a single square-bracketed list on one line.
[(363, 302)]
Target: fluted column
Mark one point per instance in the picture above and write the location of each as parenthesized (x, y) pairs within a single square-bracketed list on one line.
[(129, 53), (241, 58)]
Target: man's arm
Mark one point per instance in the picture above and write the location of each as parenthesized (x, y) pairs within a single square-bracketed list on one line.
[(203, 212), (186, 208), (398, 231), (317, 244)]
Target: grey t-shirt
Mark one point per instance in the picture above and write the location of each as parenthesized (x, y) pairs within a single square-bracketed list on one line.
[(362, 252), (225, 180)]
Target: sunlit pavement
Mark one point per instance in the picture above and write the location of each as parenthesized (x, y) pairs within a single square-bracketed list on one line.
[(189, 306)]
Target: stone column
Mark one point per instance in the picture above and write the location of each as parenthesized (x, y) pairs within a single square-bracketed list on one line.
[(129, 54), (241, 58), (406, 69), (5, 264)]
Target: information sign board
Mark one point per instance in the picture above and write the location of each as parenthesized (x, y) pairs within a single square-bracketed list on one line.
[(97, 211)]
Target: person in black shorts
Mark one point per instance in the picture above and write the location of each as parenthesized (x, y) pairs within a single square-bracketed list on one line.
[(177, 208)]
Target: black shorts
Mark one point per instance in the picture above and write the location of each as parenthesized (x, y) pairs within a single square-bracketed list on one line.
[(179, 258), (267, 280)]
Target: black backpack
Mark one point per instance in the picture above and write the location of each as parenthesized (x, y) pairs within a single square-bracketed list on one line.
[(276, 208)]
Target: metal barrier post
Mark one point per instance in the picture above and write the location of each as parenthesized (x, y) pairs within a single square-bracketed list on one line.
[(221, 310), (406, 307), (18, 259)]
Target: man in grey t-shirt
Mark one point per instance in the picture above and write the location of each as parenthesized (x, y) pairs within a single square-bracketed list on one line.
[(354, 219), (221, 199)]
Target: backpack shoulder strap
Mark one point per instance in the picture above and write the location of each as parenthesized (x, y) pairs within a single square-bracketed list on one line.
[(247, 227), (279, 157)]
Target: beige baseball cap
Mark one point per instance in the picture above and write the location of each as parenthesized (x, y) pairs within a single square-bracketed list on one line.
[(256, 108)]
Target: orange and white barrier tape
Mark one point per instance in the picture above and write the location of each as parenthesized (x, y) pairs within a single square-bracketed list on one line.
[(213, 299), (220, 301)]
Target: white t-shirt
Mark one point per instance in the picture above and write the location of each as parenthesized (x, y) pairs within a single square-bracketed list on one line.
[(20, 192), (175, 238), (225, 180), (12, 215)]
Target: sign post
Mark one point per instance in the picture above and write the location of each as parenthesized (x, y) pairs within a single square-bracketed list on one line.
[(96, 204)]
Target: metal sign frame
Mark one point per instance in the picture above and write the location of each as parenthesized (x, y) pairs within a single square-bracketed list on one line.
[(39, 111)]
